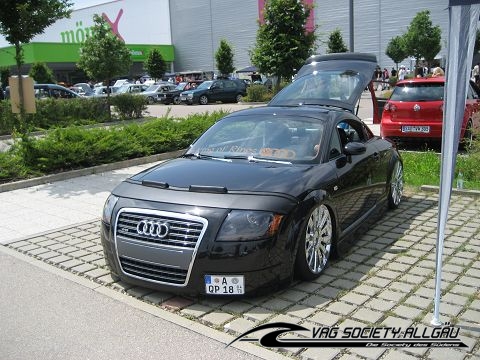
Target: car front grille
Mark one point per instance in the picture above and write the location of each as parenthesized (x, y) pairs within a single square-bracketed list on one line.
[(158, 246), (153, 272), (182, 233)]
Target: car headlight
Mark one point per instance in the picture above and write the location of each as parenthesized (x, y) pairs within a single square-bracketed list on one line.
[(242, 225), (108, 208)]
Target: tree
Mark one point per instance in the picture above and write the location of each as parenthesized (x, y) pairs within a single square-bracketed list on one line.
[(422, 39), (282, 42), (4, 75), (224, 58), (396, 50), (155, 65), (41, 73), (21, 20), (103, 55), (335, 43)]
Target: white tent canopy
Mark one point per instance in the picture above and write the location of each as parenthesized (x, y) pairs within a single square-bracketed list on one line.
[(463, 20)]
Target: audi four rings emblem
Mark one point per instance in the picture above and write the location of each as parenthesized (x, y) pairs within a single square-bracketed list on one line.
[(153, 228)]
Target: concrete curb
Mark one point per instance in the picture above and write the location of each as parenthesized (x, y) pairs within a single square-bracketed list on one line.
[(87, 171), (465, 192)]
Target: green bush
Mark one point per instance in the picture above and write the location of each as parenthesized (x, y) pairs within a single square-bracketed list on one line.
[(257, 93), (392, 81), (129, 106), (55, 113), (8, 120), (75, 147)]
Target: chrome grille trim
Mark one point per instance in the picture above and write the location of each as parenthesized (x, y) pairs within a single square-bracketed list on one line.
[(153, 272), (182, 233), (187, 232)]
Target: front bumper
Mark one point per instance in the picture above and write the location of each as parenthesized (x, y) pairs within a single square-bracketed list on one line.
[(265, 263)]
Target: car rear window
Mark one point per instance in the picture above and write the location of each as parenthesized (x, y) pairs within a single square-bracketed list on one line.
[(418, 92)]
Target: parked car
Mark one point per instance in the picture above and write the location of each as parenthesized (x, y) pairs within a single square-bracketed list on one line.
[(173, 96), (153, 92), (43, 91), (131, 89), (264, 194), (215, 90), (87, 90), (101, 91), (415, 111)]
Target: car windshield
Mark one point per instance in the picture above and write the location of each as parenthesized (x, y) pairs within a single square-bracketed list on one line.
[(417, 91), (123, 89), (181, 86), (261, 138), (205, 85), (319, 88), (152, 88)]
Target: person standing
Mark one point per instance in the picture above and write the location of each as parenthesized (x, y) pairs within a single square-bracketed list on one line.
[(476, 73), (402, 72)]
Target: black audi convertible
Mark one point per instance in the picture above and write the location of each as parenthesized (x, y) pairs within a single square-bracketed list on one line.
[(263, 196)]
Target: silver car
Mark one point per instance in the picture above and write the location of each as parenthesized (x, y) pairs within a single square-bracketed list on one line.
[(153, 91)]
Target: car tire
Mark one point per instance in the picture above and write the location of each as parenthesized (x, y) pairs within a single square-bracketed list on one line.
[(150, 100), (203, 100), (395, 190), (239, 98), (316, 244), (176, 100)]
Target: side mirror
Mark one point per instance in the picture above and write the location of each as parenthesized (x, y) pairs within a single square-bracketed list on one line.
[(354, 148)]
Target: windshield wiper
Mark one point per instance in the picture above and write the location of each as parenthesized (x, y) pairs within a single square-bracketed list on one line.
[(204, 156), (252, 158)]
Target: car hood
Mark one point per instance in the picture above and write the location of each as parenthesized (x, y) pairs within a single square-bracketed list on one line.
[(343, 63), (240, 176)]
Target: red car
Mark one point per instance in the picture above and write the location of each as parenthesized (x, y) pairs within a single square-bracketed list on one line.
[(415, 111)]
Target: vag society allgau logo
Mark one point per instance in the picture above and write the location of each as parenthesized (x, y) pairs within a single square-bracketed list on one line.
[(153, 228), (272, 336)]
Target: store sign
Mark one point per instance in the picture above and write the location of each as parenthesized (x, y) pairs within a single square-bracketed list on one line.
[(129, 22)]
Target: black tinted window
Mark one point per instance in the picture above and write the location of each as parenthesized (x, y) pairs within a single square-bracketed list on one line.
[(418, 92)]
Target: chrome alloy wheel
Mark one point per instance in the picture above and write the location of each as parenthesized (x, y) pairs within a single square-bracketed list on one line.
[(396, 185), (318, 239)]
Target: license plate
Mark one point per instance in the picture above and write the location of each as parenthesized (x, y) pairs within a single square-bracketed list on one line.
[(183, 98), (416, 129), (224, 285)]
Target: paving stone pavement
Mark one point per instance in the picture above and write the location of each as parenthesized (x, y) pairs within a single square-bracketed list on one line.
[(387, 279)]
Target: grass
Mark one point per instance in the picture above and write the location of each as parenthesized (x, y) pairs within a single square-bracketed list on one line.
[(424, 169)]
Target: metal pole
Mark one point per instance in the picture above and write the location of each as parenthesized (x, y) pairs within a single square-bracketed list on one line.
[(351, 26)]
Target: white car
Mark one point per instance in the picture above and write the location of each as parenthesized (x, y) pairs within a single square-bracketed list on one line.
[(131, 89)]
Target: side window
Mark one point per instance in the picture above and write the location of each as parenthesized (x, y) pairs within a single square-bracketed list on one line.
[(335, 146), (64, 94), (353, 131), (230, 84)]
